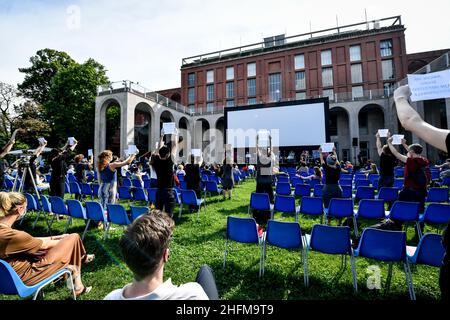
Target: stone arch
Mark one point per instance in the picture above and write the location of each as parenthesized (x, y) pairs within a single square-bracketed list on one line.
[(339, 129), (166, 116), (110, 125), (143, 115), (184, 130), (370, 119)]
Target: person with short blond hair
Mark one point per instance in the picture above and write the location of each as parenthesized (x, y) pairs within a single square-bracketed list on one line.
[(36, 258)]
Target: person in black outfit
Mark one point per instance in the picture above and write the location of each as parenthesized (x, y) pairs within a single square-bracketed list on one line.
[(387, 164), (4, 151), (163, 164), (81, 166), (193, 176), (439, 138), (332, 170), (28, 183), (58, 159)]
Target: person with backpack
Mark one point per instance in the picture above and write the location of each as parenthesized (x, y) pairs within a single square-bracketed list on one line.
[(417, 174)]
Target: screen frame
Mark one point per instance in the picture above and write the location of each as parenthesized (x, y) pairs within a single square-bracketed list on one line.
[(281, 104)]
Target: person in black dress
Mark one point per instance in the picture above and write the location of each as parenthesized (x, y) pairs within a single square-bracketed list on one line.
[(58, 158)]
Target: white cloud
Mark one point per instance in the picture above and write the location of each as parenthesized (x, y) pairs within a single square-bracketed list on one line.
[(145, 40)]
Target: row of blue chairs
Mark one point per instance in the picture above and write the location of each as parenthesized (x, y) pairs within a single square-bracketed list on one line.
[(381, 245)]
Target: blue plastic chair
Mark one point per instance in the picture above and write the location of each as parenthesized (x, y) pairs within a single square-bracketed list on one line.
[(364, 192), (362, 183), (75, 188), (347, 191), (435, 213), (387, 246), (152, 195), (212, 187), (332, 240), (437, 195), (285, 204), (94, 212), (117, 215), (86, 190), (31, 206), (429, 251), (283, 188), (11, 284), (404, 211), (311, 206), (136, 183), (189, 197), (58, 208), (399, 183), (243, 230), (124, 193), (126, 182), (339, 208), (286, 235), (139, 195), (75, 210), (369, 209), (399, 171), (388, 194), (136, 212), (302, 190), (318, 190), (345, 182), (260, 201)]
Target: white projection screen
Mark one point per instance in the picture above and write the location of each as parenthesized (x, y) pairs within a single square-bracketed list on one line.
[(300, 123)]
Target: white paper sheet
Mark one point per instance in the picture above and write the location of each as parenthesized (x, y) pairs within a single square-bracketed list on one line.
[(90, 153), (71, 141), (383, 133), (327, 147), (429, 86), (196, 152), (397, 139), (169, 128)]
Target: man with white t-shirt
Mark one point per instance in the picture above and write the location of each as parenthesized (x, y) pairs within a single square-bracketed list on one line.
[(145, 248)]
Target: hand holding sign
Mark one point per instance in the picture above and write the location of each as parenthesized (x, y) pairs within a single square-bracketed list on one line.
[(71, 141), (196, 152), (132, 149), (397, 139), (42, 141), (429, 86), (169, 128), (90, 153), (383, 133)]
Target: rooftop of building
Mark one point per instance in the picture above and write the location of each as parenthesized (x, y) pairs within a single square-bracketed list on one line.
[(281, 42)]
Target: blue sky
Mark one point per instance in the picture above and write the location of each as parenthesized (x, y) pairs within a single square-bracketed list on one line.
[(145, 41)]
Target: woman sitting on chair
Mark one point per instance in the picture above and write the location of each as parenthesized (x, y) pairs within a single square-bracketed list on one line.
[(35, 259)]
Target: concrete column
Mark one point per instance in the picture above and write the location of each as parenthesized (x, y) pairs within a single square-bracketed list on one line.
[(126, 126), (154, 128), (354, 133), (447, 109)]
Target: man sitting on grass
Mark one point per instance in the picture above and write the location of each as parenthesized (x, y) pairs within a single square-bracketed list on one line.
[(145, 248)]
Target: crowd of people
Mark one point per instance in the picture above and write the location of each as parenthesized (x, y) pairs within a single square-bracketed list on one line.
[(146, 243)]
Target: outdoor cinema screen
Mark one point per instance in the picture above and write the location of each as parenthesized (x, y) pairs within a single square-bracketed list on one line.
[(299, 123)]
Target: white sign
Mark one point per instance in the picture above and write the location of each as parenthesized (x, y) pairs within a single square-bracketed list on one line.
[(196, 152), (169, 128), (71, 141), (383, 133), (132, 149), (397, 139), (327, 147), (429, 86), (42, 140), (90, 153)]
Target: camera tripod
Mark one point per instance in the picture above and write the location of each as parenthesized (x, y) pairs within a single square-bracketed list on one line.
[(27, 171)]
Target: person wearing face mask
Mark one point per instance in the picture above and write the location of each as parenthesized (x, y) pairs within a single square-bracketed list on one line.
[(36, 258)]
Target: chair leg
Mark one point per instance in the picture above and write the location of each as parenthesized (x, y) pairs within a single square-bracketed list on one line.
[(36, 220), (419, 230), (181, 209), (355, 226), (225, 254), (389, 278), (355, 279), (305, 267), (108, 225), (85, 229), (69, 221), (409, 281)]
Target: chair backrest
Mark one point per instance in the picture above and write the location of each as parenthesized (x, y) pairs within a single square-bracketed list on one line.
[(74, 188), (373, 177), (139, 194), (46, 206), (147, 183), (66, 188), (361, 183), (430, 250), (282, 178), (136, 212), (346, 191), (364, 192), (58, 205), (31, 202), (330, 239), (38, 203), (283, 188), (242, 230), (388, 194), (75, 209), (371, 209), (136, 183), (117, 214), (10, 282), (211, 186), (437, 195), (95, 188), (345, 182), (318, 190), (302, 190), (152, 194), (180, 177), (438, 213), (398, 183), (183, 185), (188, 197), (405, 211), (86, 189), (340, 207), (384, 245), (124, 193), (286, 235), (94, 211), (311, 205), (126, 182), (259, 201), (399, 171), (284, 204), (315, 182), (296, 180), (360, 176)]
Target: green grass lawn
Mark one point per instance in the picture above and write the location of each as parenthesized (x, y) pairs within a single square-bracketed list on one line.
[(202, 242)]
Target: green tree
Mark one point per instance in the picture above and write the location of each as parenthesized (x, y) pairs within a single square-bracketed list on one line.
[(44, 66), (8, 100), (31, 119), (70, 107)]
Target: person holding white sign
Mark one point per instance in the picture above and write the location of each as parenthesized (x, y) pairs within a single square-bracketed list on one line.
[(332, 170), (28, 183), (58, 159), (107, 175), (387, 163), (439, 138), (3, 152), (162, 162)]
